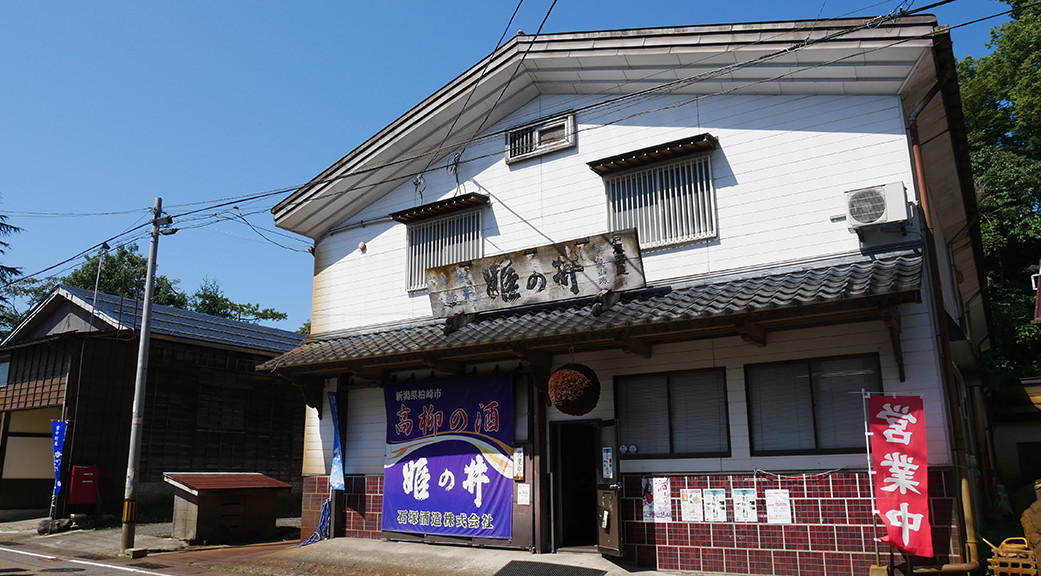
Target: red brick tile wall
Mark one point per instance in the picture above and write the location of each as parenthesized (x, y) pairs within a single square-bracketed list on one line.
[(315, 492), (832, 533), (364, 506)]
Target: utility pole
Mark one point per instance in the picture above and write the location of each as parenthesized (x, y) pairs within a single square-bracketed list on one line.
[(134, 455)]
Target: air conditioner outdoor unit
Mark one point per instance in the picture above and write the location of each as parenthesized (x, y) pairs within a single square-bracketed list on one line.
[(870, 207)]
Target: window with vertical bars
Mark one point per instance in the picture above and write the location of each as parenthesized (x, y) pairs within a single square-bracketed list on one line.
[(447, 240), (667, 204), (810, 406), (673, 414)]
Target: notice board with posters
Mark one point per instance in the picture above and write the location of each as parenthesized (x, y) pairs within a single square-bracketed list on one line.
[(449, 458)]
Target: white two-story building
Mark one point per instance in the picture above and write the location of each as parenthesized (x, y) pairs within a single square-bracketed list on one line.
[(729, 236)]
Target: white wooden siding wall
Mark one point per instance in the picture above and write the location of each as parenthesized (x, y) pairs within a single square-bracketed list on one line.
[(734, 353), (780, 173), (365, 439), (318, 436), (366, 433)]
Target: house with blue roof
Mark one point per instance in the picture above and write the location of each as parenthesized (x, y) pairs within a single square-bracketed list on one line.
[(73, 358)]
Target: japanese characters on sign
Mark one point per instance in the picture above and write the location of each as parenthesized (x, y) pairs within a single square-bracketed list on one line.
[(560, 271), (449, 459), (898, 456)]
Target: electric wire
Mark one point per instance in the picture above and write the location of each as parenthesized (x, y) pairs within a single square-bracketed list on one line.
[(512, 76), (476, 84), (265, 194)]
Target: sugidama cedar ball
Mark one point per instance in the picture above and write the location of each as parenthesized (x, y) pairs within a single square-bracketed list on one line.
[(574, 389)]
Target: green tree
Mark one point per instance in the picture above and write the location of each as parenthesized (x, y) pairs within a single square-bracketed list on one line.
[(210, 299), (7, 273), (1001, 97), (123, 273)]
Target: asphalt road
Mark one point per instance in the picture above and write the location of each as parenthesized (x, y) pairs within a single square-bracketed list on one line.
[(25, 563)]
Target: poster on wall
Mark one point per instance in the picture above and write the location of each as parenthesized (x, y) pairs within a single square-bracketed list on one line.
[(778, 506), (715, 505), (449, 458), (744, 505), (691, 507), (657, 502), (898, 459)]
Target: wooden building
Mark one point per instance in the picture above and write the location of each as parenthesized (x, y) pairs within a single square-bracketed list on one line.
[(737, 229), (74, 358)]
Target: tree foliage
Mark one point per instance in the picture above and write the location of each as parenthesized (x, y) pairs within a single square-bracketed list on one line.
[(123, 273), (7, 273), (1001, 97), (210, 299)]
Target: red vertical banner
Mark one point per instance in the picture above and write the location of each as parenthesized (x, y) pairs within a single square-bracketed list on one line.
[(899, 462)]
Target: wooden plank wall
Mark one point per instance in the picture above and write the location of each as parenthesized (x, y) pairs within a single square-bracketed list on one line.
[(205, 410), (37, 378)]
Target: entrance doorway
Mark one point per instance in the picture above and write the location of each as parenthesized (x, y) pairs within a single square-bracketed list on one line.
[(575, 460)]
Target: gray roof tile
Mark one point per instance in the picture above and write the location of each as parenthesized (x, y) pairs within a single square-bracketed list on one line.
[(175, 322), (835, 281)]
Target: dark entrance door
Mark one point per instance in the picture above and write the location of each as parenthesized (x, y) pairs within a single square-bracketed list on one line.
[(576, 453)]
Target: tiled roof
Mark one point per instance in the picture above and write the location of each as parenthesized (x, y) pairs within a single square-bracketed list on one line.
[(197, 481), (681, 302), (125, 313)]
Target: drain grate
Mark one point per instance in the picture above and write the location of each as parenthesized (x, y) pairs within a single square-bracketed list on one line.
[(149, 565), (13, 570), (62, 570)]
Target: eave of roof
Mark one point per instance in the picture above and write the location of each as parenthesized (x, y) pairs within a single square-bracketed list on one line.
[(167, 322), (683, 60), (842, 290)]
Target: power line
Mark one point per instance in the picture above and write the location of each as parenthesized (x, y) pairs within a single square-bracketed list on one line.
[(668, 87)]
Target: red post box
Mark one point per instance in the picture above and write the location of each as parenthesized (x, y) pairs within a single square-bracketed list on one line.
[(83, 486)]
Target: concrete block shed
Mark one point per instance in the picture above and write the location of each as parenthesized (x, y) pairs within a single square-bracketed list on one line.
[(224, 507)]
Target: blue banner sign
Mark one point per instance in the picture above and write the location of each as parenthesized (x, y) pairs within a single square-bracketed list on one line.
[(58, 445), (336, 470), (449, 460)]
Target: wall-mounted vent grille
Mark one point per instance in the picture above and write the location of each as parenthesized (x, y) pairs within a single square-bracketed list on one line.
[(540, 138)]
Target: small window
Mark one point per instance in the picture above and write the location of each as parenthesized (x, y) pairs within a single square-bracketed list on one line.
[(433, 243), (668, 204), (5, 369), (672, 414), (537, 139), (810, 406)]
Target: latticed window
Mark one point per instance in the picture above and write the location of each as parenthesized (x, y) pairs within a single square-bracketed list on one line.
[(447, 240), (667, 204)]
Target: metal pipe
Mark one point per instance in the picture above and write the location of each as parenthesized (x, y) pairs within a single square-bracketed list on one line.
[(972, 557), (970, 553)]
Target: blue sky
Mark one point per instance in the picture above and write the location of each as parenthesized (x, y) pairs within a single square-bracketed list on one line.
[(106, 105)]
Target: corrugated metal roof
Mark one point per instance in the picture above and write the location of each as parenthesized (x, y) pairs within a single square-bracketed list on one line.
[(682, 302), (198, 481), (125, 313)]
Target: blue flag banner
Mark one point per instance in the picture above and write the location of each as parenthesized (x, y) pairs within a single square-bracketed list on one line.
[(449, 460), (58, 444), (336, 470)]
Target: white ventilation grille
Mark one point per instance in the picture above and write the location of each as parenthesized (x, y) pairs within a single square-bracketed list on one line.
[(540, 138)]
